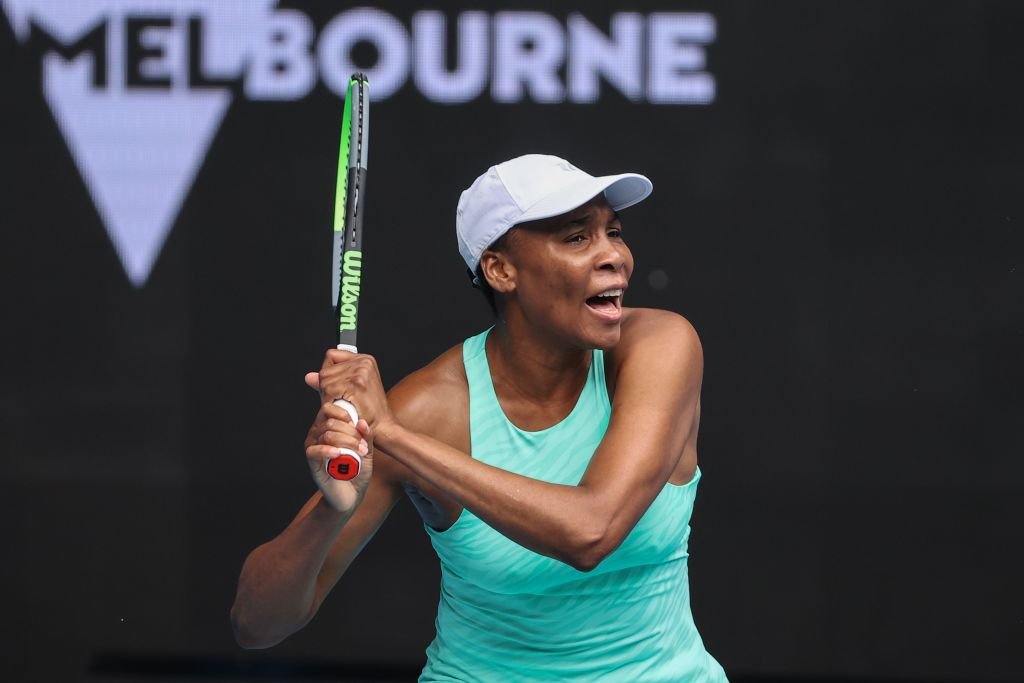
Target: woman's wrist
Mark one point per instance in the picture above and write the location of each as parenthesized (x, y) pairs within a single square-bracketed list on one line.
[(325, 513), (387, 432)]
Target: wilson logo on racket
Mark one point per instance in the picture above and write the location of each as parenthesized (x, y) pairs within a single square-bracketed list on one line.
[(351, 269)]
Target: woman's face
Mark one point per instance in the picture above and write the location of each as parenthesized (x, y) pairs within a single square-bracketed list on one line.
[(570, 273)]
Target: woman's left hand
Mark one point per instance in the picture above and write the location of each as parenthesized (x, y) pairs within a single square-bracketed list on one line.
[(355, 378)]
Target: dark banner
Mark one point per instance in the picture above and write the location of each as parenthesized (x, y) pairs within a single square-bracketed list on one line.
[(837, 209)]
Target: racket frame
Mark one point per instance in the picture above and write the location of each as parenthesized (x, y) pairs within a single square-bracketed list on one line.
[(349, 193)]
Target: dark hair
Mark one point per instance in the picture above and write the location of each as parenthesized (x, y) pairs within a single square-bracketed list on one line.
[(481, 282)]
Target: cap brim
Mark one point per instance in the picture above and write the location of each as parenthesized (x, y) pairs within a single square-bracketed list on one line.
[(625, 189)]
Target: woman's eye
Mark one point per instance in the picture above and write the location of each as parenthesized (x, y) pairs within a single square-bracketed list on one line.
[(615, 233), (578, 237)]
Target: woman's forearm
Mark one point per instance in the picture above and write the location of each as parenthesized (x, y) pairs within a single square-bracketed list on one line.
[(559, 521), (278, 589)]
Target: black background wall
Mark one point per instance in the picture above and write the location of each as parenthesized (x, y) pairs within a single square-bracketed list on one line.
[(842, 224)]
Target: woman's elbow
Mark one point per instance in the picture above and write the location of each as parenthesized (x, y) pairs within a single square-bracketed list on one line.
[(248, 641), (590, 546), (584, 563), (248, 635)]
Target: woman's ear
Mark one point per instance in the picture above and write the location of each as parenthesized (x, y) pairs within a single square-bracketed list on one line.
[(498, 271)]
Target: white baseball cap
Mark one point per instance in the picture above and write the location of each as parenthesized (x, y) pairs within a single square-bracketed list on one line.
[(529, 188)]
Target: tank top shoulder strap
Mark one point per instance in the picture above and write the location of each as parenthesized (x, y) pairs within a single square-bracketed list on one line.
[(484, 411), (598, 381)]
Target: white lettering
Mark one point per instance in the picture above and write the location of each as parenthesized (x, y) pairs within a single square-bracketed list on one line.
[(674, 60), (593, 54), (429, 67), (529, 48), (282, 68), (380, 29), (138, 88)]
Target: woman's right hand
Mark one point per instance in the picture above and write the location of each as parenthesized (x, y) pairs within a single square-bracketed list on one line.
[(333, 429)]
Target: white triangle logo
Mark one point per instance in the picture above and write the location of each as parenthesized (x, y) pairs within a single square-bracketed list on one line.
[(138, 154), (138, 149)]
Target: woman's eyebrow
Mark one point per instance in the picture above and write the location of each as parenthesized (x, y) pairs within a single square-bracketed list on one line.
[(574, 218)]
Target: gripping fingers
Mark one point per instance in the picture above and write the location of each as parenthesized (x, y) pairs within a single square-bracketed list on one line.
[(347, 463), (334, 428), (340, 435)]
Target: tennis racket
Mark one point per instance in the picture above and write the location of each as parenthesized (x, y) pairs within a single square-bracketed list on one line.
[(349, 195)]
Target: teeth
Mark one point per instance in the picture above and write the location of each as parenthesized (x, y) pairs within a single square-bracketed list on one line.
[(611, 292)]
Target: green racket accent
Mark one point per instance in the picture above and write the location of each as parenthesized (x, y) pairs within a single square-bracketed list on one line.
[(349, 190), (341, 186)]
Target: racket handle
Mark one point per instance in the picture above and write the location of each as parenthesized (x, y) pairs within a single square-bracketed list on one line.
[(345, 465)]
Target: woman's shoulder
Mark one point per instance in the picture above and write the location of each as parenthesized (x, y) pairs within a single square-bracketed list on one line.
[(653, 341), (644, 327), (434, 395)]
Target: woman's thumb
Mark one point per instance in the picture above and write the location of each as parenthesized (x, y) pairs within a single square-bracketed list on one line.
[(313, 380)]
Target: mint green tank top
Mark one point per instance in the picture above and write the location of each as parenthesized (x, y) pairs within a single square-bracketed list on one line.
[(507, 613)]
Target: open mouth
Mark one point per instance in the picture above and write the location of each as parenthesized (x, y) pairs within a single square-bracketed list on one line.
[(607, 304)]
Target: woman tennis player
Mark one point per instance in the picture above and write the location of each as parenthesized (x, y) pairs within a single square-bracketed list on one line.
[(552, 457)]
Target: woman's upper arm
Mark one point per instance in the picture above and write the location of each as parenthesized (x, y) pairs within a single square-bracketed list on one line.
[(658, 367)]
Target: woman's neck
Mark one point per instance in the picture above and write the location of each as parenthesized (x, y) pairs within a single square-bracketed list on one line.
[(526, 365)]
